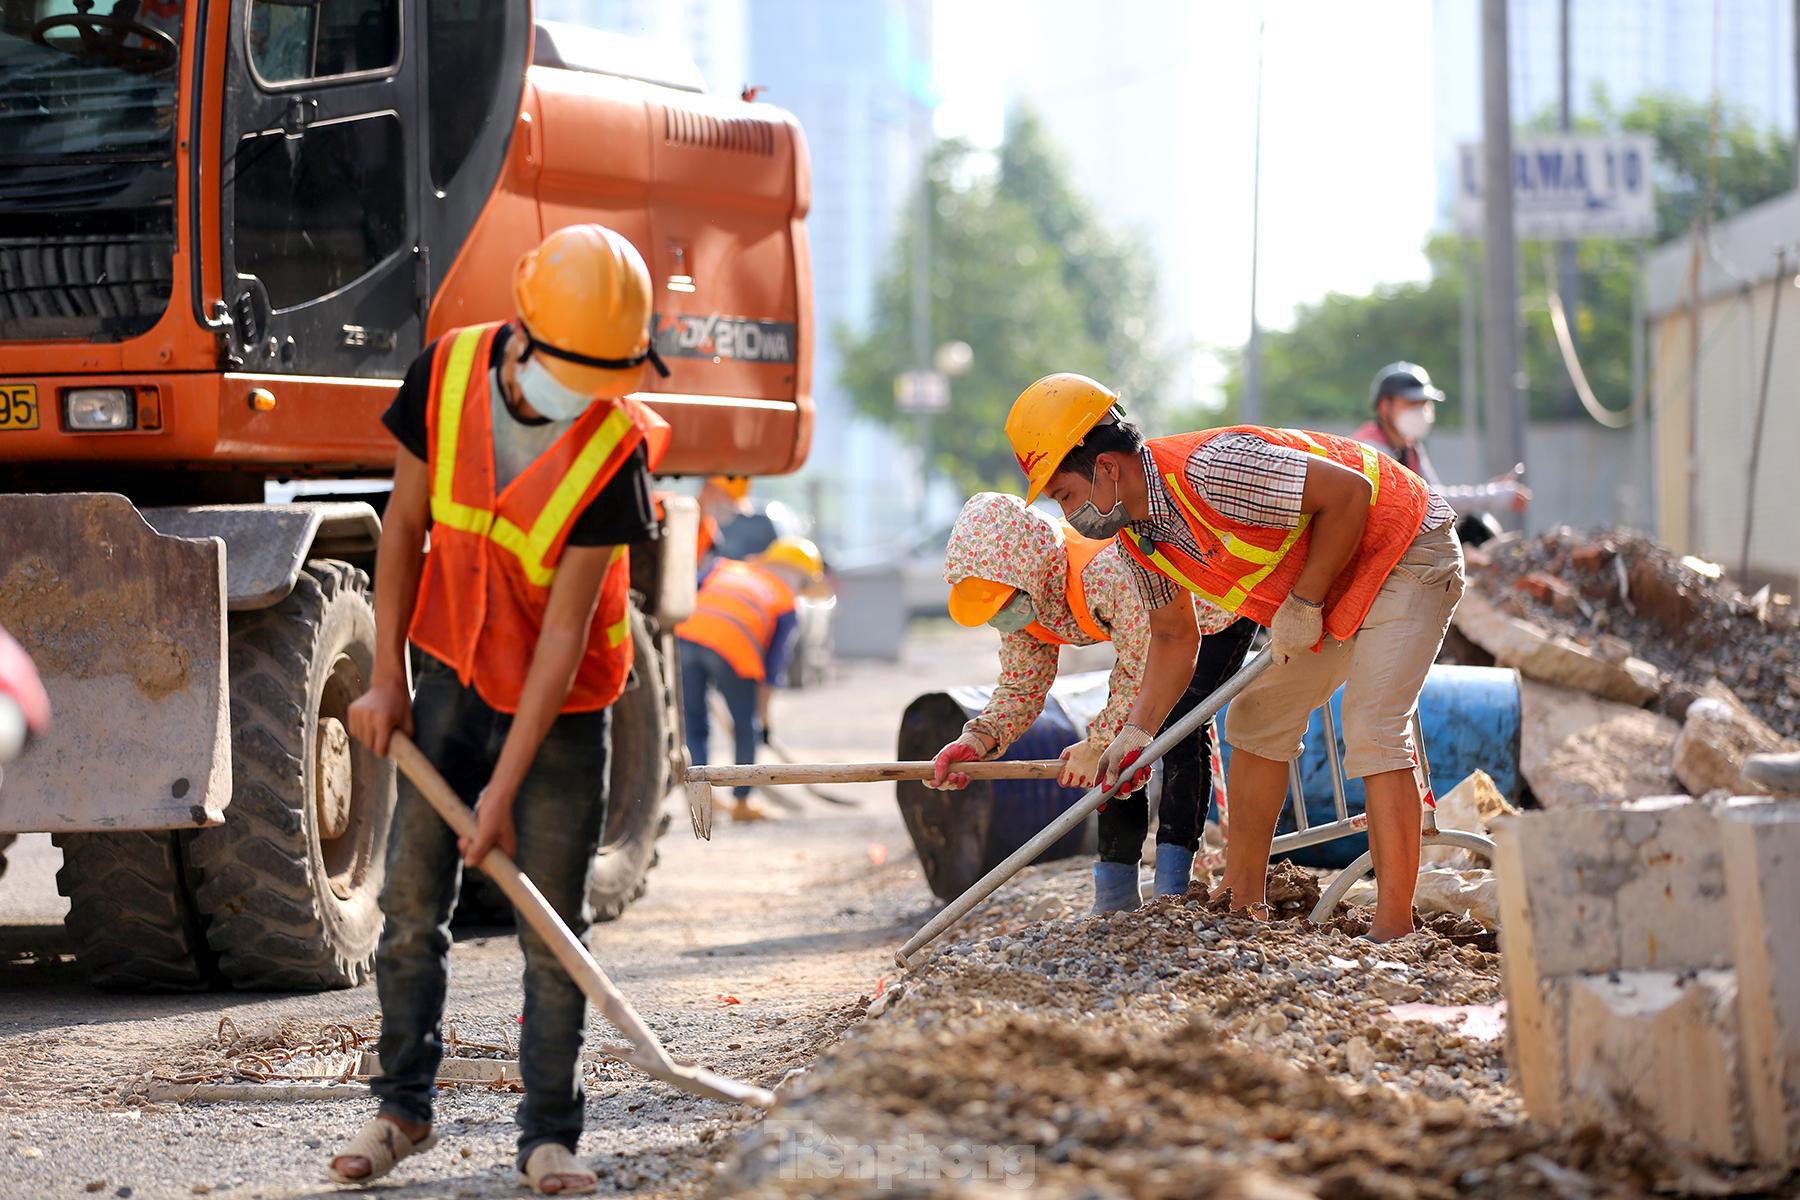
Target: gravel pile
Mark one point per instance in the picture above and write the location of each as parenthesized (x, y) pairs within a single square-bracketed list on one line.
[(1669, 612), (1178, 1051)]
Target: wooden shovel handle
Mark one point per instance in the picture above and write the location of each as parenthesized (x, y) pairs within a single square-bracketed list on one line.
[(759, 773)]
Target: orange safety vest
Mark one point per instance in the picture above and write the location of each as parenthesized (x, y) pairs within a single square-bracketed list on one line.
[(1250, 569), (493, 558), (1081, 552), (736, 612)]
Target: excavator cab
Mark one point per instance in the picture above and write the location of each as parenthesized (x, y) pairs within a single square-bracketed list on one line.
[(226, 229)]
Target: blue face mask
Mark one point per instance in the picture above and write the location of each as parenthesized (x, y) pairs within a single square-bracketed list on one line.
[(548, 394), (1015, 614)]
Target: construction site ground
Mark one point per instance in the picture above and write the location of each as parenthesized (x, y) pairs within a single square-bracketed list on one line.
[(1171, 1052)]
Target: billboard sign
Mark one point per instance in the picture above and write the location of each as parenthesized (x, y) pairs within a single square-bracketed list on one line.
[(1568, 186)]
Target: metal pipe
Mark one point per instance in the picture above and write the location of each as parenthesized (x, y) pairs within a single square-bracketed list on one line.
[(1338, 799), (1297, 793)]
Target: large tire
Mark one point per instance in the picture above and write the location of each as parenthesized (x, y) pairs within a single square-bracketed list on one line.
[(287, 908), (131, 915), (637, 781)]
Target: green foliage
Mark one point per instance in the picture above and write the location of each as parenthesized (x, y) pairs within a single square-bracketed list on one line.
[(1024, 273), (1318, 371)]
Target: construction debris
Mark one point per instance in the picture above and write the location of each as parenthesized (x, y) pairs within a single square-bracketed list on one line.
[(1677, 614), (1174, 1051), (1717, 736)]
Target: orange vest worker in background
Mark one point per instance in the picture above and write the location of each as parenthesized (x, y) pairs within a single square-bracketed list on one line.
[(1348, 558), (737, 644), (526, 460)]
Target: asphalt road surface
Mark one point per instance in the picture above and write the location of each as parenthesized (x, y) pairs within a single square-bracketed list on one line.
[(749, 953)]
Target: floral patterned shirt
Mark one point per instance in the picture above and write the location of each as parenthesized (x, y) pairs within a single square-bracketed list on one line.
[(999, 539)]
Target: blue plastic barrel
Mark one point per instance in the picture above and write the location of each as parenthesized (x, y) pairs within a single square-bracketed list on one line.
[(1471, 717)]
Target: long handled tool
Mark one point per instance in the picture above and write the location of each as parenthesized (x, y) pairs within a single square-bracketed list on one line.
[(645, 1051), (722, 716), (1077, 813), (699, 781)]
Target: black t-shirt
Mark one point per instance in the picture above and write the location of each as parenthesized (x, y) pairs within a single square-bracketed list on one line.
[(622, 512)]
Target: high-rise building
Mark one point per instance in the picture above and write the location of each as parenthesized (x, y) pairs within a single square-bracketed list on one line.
[(1626, 47), (712, 31), (852, 73)]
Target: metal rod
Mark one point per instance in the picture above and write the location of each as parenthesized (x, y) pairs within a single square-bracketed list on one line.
[(752, 774), (1337, 765), (1319, 834), (1297, 791), (1077, 813)]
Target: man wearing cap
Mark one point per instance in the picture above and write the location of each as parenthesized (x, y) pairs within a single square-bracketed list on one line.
[(1405, 403), (525, 460), (1348, 558), (1044, 586)]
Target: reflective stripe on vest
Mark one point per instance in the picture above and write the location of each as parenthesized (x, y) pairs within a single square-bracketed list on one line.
[(530, 548), (1247, 568), (736, 613)]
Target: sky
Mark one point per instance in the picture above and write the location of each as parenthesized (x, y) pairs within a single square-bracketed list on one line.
[(1348, 186)]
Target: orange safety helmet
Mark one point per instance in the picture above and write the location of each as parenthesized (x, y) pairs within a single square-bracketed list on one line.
[(1050, 418), (974, 601), (584, 297), (735, 486)]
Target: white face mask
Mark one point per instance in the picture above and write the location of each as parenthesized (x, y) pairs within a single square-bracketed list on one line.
[(549, 395), (1015, 614), (1415, 421)]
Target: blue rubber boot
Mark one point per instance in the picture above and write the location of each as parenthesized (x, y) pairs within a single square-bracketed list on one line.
[(1115, 888), (1174, 868)]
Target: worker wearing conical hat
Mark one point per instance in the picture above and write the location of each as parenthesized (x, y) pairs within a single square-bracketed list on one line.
[(1348, 558), (525, 460), (1045, 586)]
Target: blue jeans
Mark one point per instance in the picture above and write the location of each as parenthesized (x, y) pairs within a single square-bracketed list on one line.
[(702, 667), (559, 813)]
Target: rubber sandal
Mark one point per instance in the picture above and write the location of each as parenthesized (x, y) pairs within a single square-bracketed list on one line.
[(384, 1144), (552, 1160)]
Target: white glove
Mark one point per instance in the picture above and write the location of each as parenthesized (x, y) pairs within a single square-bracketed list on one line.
[(1081, 765), (1123, 751), (1297, 628), (970, 747)]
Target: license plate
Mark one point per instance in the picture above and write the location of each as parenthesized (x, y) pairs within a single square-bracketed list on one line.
[(18, 406)]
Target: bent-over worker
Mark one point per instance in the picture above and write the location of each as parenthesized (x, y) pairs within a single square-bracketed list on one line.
[(524, 458), (737, 643), (1044, 586), (1346, 556)]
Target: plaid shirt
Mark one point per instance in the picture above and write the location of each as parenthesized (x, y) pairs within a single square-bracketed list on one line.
[(1247, 479)]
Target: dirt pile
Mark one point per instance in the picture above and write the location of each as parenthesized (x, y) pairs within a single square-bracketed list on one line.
[(1621, 594), (1176, 1051)]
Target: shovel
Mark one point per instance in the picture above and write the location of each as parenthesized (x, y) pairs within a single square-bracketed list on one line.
[(700, 780), (1076, 813), (644, 1050)]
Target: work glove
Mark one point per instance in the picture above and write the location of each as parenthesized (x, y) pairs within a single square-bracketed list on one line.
[(1081, 764), (765, 734), (1296, 628), (1119, 756), (970, 747)]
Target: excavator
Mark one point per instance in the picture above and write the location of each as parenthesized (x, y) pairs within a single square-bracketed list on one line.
[(226, 228)]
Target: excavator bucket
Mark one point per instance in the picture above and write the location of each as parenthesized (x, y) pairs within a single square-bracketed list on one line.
[(127, 628)]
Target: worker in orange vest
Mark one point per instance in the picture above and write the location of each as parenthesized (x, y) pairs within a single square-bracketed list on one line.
[(1348, 558), (1044, 586), (526, 461), (737, 643)]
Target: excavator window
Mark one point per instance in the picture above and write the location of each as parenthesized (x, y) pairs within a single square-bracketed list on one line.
[(304, 40), (317, 212), (461, 71)]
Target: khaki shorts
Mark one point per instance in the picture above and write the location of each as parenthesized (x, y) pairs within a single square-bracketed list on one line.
[(1383, 665)]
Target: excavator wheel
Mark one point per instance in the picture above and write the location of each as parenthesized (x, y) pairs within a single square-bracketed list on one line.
[(637, 781), (289, 883), (131, 913)]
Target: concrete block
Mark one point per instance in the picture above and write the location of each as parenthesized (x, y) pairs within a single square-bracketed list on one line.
[(1718, 734), (1761, 847), (1657, 1050), (1539, 654)]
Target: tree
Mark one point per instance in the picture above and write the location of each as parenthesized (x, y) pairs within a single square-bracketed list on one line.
[(1023, 272), (1318, 370)]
